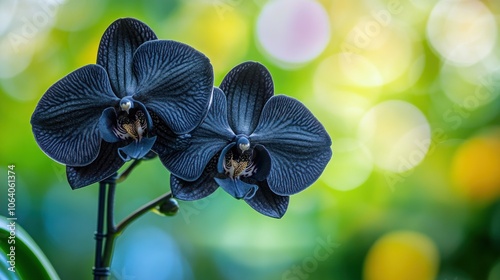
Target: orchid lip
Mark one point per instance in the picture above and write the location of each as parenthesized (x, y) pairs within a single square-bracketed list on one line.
[(132, 120), (237, 188), (239, 166), (238, 159), (130, 126)]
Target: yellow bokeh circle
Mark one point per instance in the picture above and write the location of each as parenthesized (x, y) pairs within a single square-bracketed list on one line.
[(476, 167), (222, 36), (402, 255)]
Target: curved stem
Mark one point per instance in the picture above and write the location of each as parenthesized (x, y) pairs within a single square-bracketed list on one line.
[(140, 211), (106, 255), (127, 171), (114, 232), (106, 210)]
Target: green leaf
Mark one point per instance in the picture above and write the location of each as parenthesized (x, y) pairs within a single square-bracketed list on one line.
[(30, 261)]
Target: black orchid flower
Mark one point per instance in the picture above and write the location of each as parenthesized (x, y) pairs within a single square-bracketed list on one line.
[(139, 95), (256, 146)]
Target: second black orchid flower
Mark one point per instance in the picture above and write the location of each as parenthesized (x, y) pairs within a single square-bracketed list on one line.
[(256, 146), (141, 92)]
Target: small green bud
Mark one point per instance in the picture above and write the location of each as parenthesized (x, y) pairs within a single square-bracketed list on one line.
[(169, 207)]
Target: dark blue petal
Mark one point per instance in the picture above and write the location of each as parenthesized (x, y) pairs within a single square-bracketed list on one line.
[(237, 188), (106, 164), (297, 142), (65, 120), (106, 124), (198, 189), (222, 157), (263, 163), (207, 140), (268, 203), (167, 141), (116, 50), (137, 149), (175, 81), (247, 86)]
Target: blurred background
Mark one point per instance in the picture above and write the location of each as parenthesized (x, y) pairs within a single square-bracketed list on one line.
[(408, 91)]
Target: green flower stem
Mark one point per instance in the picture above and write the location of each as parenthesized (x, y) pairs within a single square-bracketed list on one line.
[(100, 271), (129, 169), (99, 235), (107, 190), (139, 212), (114, 232), (110, 228)]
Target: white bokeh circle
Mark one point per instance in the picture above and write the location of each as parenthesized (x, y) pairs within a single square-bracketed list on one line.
[(397, 134), (462, 32)]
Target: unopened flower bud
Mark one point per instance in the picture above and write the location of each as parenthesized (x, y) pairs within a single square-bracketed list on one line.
[(168, 207)]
